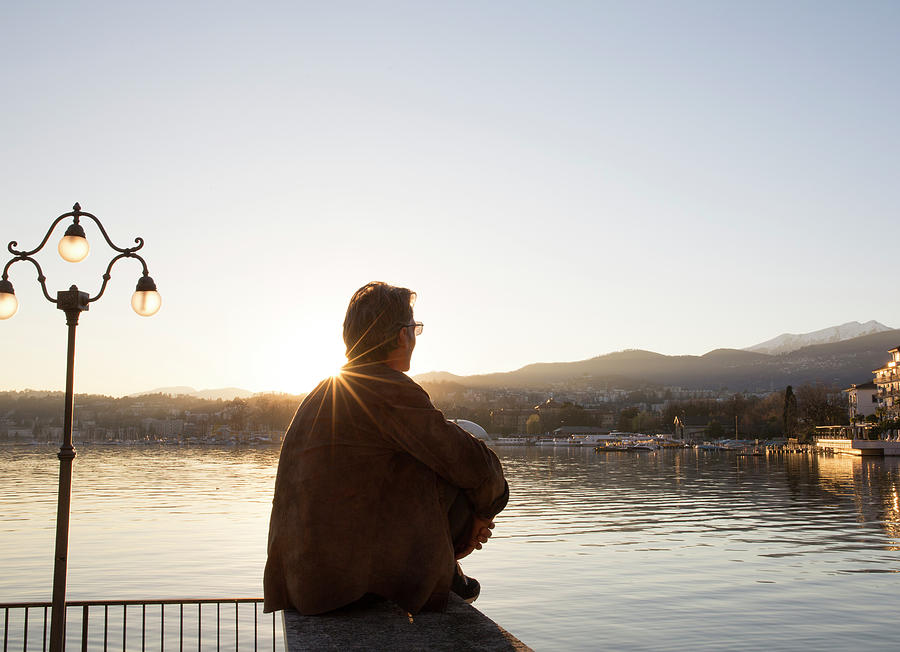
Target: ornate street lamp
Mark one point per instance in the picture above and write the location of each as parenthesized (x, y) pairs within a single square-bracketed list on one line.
[(73, 247)]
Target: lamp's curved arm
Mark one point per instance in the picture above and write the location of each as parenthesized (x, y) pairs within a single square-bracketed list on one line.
[(41, 278), (107, 275), (77, 213), (139, 242), (23, 254)]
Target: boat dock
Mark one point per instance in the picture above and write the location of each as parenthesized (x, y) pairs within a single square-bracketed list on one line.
[(859, 447)]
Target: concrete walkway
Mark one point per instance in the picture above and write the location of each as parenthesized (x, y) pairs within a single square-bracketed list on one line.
[(382, 625)]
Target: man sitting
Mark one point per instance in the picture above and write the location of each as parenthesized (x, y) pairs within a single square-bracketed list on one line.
[(376, 492)]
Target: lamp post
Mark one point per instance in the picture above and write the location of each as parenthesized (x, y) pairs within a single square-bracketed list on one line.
[(73, 247)]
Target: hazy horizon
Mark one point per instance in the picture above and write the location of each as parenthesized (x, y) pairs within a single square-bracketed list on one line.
[(170, 387)]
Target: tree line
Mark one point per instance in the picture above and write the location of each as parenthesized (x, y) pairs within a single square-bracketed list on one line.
[(792, 412), (36, 408), (788, 413)]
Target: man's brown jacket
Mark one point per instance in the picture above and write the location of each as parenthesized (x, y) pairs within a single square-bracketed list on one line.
[(368, 470)]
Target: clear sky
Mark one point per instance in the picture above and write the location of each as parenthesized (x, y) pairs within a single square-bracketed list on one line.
[(556, 180)]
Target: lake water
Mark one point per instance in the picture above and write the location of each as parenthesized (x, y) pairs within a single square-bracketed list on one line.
[(677, 550)]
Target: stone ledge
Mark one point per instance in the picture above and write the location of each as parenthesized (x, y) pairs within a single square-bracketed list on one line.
[(382, 625)]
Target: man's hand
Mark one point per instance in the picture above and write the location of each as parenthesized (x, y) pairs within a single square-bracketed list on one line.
[(481, 532)]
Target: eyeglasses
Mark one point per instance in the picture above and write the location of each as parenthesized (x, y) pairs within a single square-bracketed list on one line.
[(419, 327)]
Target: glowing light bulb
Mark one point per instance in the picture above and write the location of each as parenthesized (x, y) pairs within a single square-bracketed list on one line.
[(146, 301), (146, 304), (74, 246), (8, 302)]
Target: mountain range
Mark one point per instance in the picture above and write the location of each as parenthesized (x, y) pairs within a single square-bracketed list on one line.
[(224, 393), (787, 342), (839, 355), (834, 363)]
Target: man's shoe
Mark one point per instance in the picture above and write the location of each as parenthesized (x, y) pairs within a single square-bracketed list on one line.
[(467, 588)]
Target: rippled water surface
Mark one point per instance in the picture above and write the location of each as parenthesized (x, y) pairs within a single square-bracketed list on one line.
[(682, 550)]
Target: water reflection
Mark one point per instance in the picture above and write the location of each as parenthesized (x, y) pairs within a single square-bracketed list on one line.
[(872, 483), (766, 499), (629, 551), (694, 549)]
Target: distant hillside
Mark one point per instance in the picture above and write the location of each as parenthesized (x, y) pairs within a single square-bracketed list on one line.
[(788, 342), (225, 393), (439, 377), (839, 363)]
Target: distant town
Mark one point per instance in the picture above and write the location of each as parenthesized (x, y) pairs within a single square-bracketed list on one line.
[(866, 410), (35, 416)]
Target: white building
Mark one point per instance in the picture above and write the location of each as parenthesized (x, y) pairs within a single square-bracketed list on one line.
[(862, 400), (888, 381)]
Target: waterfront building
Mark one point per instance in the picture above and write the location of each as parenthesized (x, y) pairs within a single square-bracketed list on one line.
[(862, 400), (887, 379)]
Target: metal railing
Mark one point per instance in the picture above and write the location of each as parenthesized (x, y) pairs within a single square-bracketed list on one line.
[(205, 624)]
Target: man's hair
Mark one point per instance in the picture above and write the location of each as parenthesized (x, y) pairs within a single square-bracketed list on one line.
[(375, 315)]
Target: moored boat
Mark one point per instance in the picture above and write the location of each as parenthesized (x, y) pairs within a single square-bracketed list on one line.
[(512, 441)]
